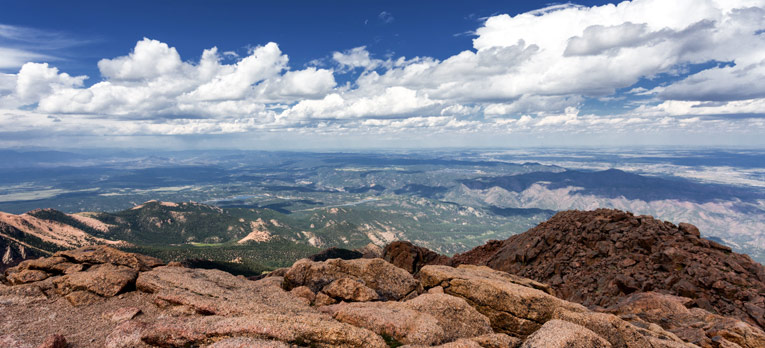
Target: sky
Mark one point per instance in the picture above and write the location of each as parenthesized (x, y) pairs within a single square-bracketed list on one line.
[(381, 74)]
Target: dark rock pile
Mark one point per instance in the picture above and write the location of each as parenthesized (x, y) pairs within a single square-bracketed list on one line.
[(600, 257)]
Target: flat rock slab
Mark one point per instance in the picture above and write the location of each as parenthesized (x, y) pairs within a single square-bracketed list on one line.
[(307, 329), (389, 281), (104, 280), (209, 292), (426, 320), (513, 308), (103, 254)]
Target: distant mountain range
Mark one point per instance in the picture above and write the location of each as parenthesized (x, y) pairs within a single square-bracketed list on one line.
[(448, 201)]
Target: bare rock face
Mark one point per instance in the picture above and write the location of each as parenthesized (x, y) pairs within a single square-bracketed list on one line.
[(347, 289), (411, 257), (26, 276), (599, 257), (103, 254), (104, 280), (562, 334), (458, 318), (390, 282), (212, 303), (84, 274), (307, 328), (426, 320), (392, 318), (693, 325), (618, 332), (513, 308), (371, 251), (214, 292)]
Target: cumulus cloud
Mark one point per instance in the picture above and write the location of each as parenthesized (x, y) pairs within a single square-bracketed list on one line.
[(357, 57), (154, 82), (528, 72), (36, 80), (149, 60)]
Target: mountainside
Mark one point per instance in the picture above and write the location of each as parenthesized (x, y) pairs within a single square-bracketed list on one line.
[(600, 257), (41, 232), (259, 238), (103, 297)]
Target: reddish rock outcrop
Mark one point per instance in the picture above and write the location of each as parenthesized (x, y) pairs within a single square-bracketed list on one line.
[(599, 257), (389, 281), (693, 325), (411, 257)]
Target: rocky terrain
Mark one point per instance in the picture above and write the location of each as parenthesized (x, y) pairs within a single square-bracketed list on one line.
[(101, 297), (599, 257)]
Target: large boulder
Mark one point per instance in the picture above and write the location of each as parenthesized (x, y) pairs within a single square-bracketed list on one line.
[(453, 314), (427, 319), (619, 333), (83, 274), (215, 292), (104, 280), (512, 306), (411, 257), (389, 281), (370, 251), (562, 334), (694, 325), (306, 329), (103, 254), (346, 289), (233, 306), (393, 319)]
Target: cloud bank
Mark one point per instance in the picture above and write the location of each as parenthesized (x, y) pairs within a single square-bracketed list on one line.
[(635, 67)]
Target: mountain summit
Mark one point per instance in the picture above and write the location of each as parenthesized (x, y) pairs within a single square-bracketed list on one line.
[(599, 257)]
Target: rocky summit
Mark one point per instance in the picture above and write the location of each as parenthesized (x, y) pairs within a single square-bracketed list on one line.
[(599, 258), (410, 297)]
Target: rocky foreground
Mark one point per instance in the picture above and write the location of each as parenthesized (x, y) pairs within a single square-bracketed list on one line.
[(103, 297)]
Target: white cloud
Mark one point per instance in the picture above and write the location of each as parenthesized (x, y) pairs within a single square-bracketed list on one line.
[(531, 72), (357, 57), (700, 108), (236, 82), (392, 102), (14, 58), (153, 82), (150, 59), (36, 80), (720, 84)]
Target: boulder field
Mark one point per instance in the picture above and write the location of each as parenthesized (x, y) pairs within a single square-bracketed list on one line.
[(103, 297)]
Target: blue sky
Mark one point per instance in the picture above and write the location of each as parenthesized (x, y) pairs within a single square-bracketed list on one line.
[(340, 74)]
